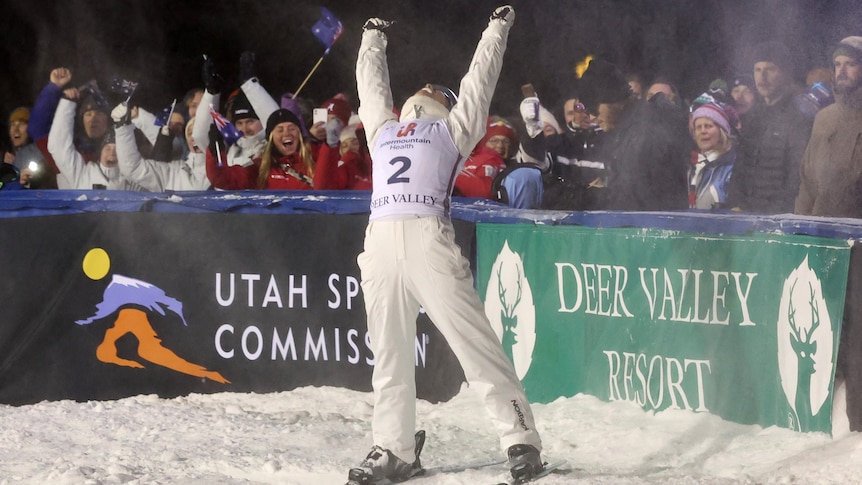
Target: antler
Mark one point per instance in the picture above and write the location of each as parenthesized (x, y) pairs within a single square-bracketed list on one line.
[(501, 291), (800, 336)]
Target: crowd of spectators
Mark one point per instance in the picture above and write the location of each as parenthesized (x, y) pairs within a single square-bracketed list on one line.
[(757, 141)]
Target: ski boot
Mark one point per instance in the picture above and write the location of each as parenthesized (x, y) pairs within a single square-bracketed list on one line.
[(525, 462), (381, 464)]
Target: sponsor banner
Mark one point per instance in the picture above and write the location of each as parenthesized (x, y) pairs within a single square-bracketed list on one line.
[(745, 327), (108, 305)]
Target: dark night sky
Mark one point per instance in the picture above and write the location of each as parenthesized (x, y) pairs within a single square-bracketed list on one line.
[(159, 42)]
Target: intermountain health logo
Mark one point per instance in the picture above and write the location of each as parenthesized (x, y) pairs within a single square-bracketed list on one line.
[(132, 301), (509, 306), (805, 346)]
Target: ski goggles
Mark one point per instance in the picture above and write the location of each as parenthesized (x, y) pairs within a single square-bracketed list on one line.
[(447, 93)]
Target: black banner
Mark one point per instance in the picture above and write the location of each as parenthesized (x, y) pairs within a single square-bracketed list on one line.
[(108, 305)]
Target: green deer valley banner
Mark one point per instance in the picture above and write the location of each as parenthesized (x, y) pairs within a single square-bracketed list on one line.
[(745, 327)]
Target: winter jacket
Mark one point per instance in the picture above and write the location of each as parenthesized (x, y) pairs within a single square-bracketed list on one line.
[(772, 142), (478, 173), (156, 176), (709, 176), (246, 149), (289, 173), (349, 171), (231, 177), (467, 119), (41, 120), (831, 172), (74, 169), (648, 155), (576, 178)]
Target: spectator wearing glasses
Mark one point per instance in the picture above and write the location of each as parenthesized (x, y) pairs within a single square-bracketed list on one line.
[(487, 160), (520, 184)]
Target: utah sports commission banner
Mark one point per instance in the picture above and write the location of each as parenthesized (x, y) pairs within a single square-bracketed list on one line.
[(745, 327), (108, 305)]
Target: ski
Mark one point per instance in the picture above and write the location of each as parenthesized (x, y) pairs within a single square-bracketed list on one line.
[(461, 467), (357, 476), (550, 467)]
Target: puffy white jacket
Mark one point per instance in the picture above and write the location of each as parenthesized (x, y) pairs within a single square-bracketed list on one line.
[(467, 119), (246, 148), (156, 176), (75, 172)]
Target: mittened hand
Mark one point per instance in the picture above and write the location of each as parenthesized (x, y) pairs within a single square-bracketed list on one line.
[(246, 66), (120, 115), (212, 80), (377, 24), (505, 14), (333, 132), (530, 115)]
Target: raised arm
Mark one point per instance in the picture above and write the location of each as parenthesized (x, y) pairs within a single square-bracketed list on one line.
[(468, 117), (372, 79)]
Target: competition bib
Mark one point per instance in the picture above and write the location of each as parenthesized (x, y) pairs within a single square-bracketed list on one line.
[(414, 169)]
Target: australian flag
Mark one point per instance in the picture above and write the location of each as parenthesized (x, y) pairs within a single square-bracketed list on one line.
[(164, 117), (123, 87), (327, 29), (228, 131)]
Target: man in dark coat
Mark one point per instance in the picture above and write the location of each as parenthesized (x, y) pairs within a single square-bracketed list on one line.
[(645, 145), (766, 175)]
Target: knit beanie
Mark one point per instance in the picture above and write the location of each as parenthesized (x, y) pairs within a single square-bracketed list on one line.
[(94, 103), (499, 128), (241, 108), (850, 47), (742, 80), (109, 139), (774, 52), (280, 116), (715, 113), (338, 107), (19, 114), (547, 117)]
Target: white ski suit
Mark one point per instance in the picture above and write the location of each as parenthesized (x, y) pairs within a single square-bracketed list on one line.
[(410, 257)]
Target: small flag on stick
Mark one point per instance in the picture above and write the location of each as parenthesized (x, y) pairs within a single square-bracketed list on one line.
[(327, 29), (164, 117), (228, 131)]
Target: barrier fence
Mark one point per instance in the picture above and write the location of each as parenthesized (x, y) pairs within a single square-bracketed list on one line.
[(111, 294)]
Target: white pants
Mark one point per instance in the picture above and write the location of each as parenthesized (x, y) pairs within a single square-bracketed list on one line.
[(408, 263)]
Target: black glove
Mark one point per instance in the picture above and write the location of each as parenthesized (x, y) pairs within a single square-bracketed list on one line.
[(216, 140), (504, 13), (246, 66), (377, 24), (212, 80)]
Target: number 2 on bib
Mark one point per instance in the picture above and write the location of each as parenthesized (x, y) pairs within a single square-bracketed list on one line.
[(396, 177)]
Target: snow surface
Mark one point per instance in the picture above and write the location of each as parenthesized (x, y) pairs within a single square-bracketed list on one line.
[(312, 436)]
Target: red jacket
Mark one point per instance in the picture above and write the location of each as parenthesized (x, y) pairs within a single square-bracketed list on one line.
[(350, 171), (234, 177), (478, 173), (281, 177)]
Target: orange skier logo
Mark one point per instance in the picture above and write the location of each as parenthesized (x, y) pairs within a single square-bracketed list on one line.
[(127, 296)]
